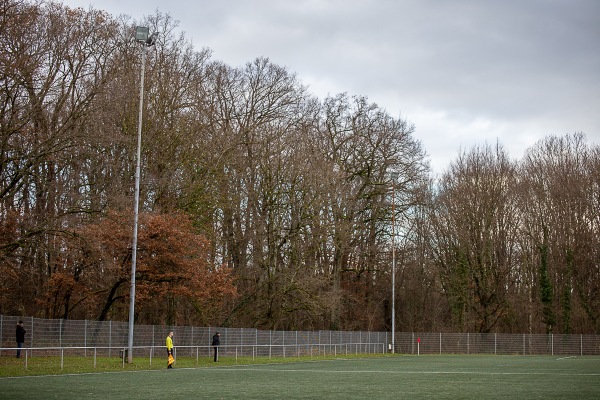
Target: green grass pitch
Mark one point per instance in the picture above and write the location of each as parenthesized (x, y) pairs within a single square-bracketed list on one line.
[(386, 377)]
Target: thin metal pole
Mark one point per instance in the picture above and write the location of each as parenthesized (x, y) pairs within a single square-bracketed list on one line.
[(135, 213), (393, 266)]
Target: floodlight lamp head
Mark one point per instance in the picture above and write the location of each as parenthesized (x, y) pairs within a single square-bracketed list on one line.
[(141, 33)]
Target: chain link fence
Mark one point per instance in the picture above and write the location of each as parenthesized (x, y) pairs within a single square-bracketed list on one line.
[(110, 338), (497, 343)]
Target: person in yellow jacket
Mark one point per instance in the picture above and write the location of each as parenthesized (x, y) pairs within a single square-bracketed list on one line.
[(169, 343)]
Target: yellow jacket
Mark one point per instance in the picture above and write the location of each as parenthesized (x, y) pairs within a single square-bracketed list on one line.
[(169, 343)]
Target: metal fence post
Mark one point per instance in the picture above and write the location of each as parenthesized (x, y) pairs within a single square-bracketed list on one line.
[(31, 336), (85, 337), (468, 343), (109, 336), (319, 346)]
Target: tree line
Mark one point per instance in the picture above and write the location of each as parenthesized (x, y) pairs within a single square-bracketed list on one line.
[(262, 205)]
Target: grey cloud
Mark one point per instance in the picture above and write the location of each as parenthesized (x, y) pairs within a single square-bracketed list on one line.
[(529, 67)]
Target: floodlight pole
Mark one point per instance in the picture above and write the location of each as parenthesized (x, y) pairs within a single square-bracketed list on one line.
[(394, 176), (142, 37)]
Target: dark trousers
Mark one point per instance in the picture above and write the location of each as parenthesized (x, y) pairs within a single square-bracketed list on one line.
[(168, 354), (19, 346), (216, 353)]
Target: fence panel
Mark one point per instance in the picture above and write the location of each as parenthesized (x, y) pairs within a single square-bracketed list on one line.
[(590, 344), (110, 337)]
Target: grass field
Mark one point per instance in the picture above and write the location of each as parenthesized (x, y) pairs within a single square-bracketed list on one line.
[(385, 377)]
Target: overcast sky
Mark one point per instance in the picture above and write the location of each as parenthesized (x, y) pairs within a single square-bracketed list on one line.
[(464, 72)]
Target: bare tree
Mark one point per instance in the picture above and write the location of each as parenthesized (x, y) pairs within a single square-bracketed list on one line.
[(474, 228), (54, 62), (362, 144), (560, 199)]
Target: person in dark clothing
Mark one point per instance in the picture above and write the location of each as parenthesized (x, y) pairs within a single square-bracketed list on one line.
[(216, 342), (20, 338)]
